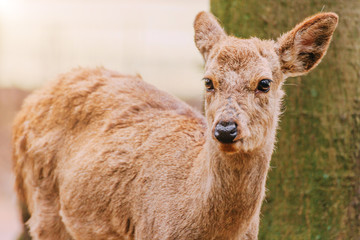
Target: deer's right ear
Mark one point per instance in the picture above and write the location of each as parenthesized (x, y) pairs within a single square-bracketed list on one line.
[(207, 32), (302, 49)]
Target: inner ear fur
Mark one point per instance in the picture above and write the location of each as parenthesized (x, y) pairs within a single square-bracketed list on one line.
[(208, 32), (302, 49)]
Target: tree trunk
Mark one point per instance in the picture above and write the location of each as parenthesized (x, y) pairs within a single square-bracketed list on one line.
[(314, 186)]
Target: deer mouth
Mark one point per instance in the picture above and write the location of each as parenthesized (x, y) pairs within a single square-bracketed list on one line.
[(228, 147), (238, 145)]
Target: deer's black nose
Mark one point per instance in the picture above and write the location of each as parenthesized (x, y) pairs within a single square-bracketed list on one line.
[(225, 132)]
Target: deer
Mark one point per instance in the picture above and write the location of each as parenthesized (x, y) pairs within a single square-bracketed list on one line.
[(102, 155)]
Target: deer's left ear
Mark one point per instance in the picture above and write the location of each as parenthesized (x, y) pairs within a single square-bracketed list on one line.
[(208, 33), (302, 49)]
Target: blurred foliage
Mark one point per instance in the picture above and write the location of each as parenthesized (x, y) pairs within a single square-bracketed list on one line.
[(314, 184)]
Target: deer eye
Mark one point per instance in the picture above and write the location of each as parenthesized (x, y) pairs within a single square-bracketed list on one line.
[(264, 85), (209, 84)]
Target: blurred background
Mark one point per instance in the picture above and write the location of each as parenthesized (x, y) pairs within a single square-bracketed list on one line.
[(40, 39), (314, 185), (48, 37)]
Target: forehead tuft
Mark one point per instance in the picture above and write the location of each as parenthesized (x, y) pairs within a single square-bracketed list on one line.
[(236, 54)]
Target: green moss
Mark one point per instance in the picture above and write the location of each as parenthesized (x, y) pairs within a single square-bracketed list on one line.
[(314, 186)]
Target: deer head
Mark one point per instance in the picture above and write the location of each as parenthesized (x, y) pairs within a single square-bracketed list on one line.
[(244, 77)]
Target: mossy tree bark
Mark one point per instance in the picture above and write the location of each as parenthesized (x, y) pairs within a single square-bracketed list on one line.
[(314, 186)]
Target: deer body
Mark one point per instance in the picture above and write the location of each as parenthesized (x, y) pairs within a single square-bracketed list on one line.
[(99, 155)]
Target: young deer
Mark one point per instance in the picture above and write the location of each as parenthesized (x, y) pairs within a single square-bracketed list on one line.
[(99, 155)]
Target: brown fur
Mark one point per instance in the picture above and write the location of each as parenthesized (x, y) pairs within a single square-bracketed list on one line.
[(99, 155)]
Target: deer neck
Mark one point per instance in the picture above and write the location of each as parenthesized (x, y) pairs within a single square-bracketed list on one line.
[(232, 186)]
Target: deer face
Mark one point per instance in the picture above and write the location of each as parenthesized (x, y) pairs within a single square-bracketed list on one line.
[(243, 93), (243, 77)]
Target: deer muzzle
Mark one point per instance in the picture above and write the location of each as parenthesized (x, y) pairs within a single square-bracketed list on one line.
[(225, 132)]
